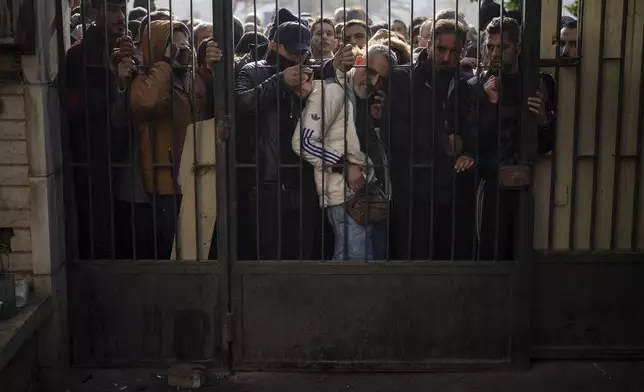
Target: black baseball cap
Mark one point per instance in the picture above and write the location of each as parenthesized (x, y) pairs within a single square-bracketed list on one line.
[(295, 37)]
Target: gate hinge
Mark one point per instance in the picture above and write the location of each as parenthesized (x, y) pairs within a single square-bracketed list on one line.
[(229, 327), (223, 128)]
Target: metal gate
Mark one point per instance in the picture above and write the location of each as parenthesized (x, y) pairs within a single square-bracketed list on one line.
[(379, 315), (254, 313)]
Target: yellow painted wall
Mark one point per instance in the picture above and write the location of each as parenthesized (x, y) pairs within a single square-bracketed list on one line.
[(605, 151)]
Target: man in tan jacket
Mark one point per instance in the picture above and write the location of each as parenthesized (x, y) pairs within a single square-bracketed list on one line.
[(162, 108)]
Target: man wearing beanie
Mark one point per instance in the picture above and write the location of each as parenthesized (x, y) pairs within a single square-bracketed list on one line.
[(252, 47)]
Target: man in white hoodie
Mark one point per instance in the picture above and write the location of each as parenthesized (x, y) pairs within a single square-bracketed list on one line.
[(328, 139), (341, 168)]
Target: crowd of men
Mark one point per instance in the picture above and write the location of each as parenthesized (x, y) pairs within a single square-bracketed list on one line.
[(354, 139)]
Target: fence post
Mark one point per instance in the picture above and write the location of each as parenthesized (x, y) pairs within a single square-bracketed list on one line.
[(224, 127), (530, 74)]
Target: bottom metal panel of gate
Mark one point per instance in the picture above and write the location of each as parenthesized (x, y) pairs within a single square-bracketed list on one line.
[(375, 316), (145, 313)]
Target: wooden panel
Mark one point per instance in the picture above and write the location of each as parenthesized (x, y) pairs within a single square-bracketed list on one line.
[(199, 203), (606, 169), (564, 157), (589, 70), (589, 304), (632, 76), (583, 203), (549, 28), (337, 315), (625, 194), (124, 313), (612, 29)]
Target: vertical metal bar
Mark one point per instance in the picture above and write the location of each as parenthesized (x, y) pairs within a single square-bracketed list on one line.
[(478, 208), (345, 234), (67, 168), (618, 138), (368, 111), (553, 156), (520, 343), (598, 111), (638, 158), (195, 173), (498, 164), (71, 226), (430, 255), (88, 144), (279, 149), (389, 157), (301, 161), (575, 138), (456, 88), (152, 141), (108, 124), (323, 209), (130, 166), (175, 155), (224, 109), (258, 184), (227, 228), (385, 161)]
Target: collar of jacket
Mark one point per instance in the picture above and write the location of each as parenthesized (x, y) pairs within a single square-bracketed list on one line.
[(423, 72)]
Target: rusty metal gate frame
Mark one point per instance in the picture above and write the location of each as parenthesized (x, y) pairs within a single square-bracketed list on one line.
[(237, 280)]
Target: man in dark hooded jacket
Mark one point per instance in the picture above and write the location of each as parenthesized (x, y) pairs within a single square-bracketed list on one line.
[(269, 105), (95, 143), (268, 92), (433, 190), (495, 105)]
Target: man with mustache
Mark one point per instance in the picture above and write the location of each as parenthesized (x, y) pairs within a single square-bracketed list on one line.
[(495, 115), (433, 193)]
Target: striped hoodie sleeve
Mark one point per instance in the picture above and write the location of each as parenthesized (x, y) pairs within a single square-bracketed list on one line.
[(308, 137)]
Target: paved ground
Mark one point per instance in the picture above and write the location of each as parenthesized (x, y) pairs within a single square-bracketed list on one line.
[(544, 377)]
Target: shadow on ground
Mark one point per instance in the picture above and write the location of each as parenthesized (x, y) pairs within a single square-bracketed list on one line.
[(543, 377)]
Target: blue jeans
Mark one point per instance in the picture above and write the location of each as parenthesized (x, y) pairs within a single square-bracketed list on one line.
[(361, 242)]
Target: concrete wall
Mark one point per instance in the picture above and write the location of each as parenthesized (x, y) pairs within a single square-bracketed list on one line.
[(31, 192)]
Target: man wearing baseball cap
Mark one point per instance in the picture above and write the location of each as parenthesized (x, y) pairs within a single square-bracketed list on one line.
[(269, 95)]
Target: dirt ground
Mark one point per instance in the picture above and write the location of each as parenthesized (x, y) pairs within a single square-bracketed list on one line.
[(543, 377)]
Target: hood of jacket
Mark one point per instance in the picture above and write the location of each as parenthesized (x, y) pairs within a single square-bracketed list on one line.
[(155, 38)]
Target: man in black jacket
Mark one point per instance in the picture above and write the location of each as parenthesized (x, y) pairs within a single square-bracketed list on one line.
[(284, 204), (433, 193), (495, 114), (95, 142)]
